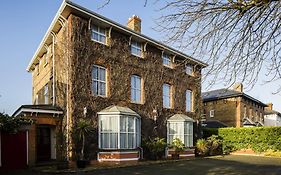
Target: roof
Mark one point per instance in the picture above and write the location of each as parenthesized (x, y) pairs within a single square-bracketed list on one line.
[(67, 7), (180, 117), (268, 112), (226, 93), (118, 110), (46, 109)]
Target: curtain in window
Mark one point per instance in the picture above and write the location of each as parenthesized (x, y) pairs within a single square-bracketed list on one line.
[(188, 100), (181, 130), (136, 89), (109, 131), (166, 96)]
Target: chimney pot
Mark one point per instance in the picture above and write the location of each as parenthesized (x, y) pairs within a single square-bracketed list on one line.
[(134, 23), (238, 87), (269, 106)]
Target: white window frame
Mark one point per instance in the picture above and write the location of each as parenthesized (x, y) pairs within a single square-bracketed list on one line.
[(138, 47), (189, 69), (169, 96), (136, 132), (99, 81), (99, 33), (189, 101), (46, 94), (167, 58), (135, 90), (212, 113), (186, 134)]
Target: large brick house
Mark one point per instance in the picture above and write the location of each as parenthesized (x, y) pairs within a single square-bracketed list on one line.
[(232, 108), (131, 86)]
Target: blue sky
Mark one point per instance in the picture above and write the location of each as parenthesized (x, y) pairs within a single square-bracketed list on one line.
[(24, 23)]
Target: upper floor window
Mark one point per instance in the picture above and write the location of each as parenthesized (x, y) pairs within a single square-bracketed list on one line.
[(46, 94), (212, 113), (167, 93), (136, 48), (99, 34), (136, 90), (166, 60), (188, 69), (188, 95), (99, 80)]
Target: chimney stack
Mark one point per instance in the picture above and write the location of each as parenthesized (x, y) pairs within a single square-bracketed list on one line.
[(269, 106), (238, 87), (134, 23)]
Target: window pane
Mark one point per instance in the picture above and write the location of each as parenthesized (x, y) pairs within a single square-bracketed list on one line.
[(123, 123), (188, 100), (102, 74), (123, 140), (102, 89), (130, 140), (131, 126), (98, 34), (113, 140)]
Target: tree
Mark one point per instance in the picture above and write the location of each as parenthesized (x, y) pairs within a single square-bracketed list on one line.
[(237, 38)]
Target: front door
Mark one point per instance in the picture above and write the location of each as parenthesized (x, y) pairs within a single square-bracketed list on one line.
[(43, 143)]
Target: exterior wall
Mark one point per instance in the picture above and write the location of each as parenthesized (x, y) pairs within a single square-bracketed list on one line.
[(42, 76), (121, 65), (225, 110), (232, 111), (252, 110)]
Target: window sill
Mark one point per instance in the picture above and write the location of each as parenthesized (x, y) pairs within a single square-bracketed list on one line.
[(168, 66), (102, 96), (137, 103), (139, 56), (99, 42)]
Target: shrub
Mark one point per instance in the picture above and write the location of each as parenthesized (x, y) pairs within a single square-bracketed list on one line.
[(177, 145), (154, 148), (202, 147), (215, 145), (259, 139)]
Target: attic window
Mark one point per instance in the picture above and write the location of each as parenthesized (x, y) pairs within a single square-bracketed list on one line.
[(136, 48), (99, 34), (166, 60), (189, 69)]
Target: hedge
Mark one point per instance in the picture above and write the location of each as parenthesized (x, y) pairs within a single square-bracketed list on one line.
[(207, 132), (259, 139)]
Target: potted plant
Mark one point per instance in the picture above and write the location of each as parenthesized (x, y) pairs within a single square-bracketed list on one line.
[(177, 147), (83, 127)]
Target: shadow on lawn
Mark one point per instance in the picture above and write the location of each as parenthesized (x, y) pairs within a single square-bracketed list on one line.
[(198, 166)]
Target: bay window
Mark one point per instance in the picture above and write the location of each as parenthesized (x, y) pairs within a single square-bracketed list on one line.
[(119, 128), (180, 126)]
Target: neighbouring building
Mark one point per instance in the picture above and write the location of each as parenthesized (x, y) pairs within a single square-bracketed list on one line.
[(232, 107), (131, 87), (271, 117)]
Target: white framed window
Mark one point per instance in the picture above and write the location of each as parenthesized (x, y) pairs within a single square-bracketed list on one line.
[(212, 113), (119, 131), (98, 34), (166, 59), (181, 130), (189, 69), (46, 94), (99, 80), (136, 89), (136, 48), (167, 94), (188, 97)]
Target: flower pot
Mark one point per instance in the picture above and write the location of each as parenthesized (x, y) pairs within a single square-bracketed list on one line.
[(81, 163)]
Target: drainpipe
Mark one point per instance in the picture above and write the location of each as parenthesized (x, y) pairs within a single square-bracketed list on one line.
[(53, 57)]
